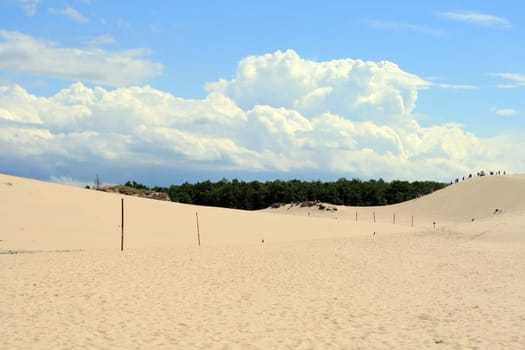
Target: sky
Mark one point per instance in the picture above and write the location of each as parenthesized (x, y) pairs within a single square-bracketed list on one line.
[(164, 92)]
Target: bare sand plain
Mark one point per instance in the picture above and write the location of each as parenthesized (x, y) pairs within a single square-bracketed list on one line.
[(320, 280)]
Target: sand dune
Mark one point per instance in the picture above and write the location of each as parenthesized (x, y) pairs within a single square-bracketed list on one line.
[(320, 280), (480, 198), (47, 216), (476, 197)]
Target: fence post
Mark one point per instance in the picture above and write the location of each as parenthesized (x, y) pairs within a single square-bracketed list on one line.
[(198, 230), (122, 226)]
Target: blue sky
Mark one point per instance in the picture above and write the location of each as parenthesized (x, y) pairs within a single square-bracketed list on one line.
[(169, 91)]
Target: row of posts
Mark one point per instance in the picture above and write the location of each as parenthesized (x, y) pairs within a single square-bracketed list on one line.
[(122, 227), (198, 230), (393, 218)]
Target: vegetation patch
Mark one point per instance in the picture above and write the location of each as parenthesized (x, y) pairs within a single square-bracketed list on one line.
[(256, 195)]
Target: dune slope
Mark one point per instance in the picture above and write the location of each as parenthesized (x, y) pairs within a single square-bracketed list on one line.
[(498, 199), (46, 216), (320, 280)]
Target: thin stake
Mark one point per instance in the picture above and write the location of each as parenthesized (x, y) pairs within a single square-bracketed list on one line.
[(374, 216), (412, 220), (356, 216), (394, 218), (198, 231), (122, 226)]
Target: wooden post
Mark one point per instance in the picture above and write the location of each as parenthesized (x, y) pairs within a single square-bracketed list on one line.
[(412, 220), (374, 216), (198, 231), (356, 216), (122, 226), (394, 218)]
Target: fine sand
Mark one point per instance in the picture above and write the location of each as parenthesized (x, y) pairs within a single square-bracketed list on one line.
[(445, 271)]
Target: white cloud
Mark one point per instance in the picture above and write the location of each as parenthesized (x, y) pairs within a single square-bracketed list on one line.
[(68, 180), (29, 6), (455, 86), (477, 18), (71, 13), (362, 90), (122, 23), (402, 26), (516, 79), (23, 53), (104, 39), (505, 112), (344, 117)]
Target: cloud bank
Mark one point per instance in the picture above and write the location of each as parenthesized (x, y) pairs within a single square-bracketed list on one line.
[(280, 113)]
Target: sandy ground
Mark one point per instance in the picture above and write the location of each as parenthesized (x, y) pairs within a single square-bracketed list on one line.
[(319, 281)]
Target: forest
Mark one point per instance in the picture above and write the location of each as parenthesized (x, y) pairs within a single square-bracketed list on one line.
[(255, 195)]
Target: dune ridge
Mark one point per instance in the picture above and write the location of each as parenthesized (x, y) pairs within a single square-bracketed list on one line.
[(320, 280)]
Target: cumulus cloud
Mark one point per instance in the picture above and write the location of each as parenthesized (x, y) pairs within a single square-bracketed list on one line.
[(279, 113), (359, 89), (23, 53)]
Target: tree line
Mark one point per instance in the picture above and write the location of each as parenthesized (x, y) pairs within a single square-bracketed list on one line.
[(255, 195)]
